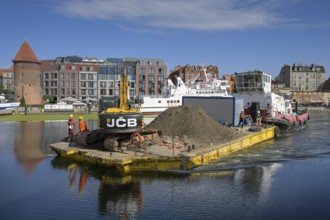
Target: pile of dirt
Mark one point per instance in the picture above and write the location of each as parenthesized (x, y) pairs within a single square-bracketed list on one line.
[(192, 125)]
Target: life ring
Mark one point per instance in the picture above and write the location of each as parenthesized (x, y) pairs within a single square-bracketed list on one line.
[(276, 131)]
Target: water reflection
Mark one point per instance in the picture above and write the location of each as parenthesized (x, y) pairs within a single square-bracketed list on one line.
[(119, 194), (256, 180), (32, 139), (28, 142)]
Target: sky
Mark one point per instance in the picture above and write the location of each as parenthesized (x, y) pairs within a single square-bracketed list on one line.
[(235, 35)]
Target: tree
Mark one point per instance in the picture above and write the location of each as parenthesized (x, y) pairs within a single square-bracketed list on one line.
[(23, 103)]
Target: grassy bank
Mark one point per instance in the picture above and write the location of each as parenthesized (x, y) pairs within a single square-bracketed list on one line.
[(50, 116), (45, 116)]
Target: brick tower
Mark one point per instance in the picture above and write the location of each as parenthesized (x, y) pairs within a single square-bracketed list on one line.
[(27, 75)]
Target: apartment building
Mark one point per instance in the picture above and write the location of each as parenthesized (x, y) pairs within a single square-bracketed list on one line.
[(150, 76), (7, 79), (89, 78), (70, 76), (302, 77)]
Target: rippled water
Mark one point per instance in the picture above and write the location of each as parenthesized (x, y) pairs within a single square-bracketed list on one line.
[(286, 178)]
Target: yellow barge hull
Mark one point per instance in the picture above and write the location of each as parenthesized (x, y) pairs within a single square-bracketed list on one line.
[(160, 158)]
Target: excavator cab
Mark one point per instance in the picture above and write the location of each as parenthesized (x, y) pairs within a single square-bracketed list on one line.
[(106, 102)]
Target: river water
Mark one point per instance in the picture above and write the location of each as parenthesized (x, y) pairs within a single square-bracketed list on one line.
[(286, 178)]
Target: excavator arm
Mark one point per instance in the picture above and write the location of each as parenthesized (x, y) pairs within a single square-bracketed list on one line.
[(123, 94)]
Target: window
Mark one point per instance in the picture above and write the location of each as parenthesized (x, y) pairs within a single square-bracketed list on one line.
[(62, 67), (73, 67), (91, 68), (161, 70), (91, 84), (73, 75), (83, 84), (152, 71), (103, 84), (142, 70), (62, 75), (103, 92), (83, 76), (83, 68), (90, 76), (73, 83)]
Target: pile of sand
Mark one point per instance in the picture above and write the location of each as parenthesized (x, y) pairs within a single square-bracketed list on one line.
[(192, 125)]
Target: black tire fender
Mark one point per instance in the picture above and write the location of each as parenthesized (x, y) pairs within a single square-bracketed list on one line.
[(276, 131)]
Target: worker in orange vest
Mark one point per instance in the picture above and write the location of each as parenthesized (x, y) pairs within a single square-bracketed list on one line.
[(82, 124)]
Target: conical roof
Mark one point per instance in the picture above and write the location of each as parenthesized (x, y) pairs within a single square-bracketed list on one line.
[(26, 54)]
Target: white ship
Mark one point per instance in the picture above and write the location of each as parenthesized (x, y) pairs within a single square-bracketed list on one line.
[(172, 94), (8, 107)]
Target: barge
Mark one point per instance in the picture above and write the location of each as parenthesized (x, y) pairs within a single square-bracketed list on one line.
[(161, 157)]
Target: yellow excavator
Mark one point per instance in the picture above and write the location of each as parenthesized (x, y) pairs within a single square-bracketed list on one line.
[(117, 120)]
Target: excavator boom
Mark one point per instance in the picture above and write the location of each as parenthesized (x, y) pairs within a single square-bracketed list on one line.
[(123, 96)]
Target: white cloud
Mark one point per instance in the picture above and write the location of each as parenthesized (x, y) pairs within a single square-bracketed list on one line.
[(177, 14)]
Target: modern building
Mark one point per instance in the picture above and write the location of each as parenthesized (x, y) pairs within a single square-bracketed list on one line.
[(109, 76), (302, 77), (27, 76)]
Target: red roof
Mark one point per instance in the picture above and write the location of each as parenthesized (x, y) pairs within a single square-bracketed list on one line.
[(25, 54)]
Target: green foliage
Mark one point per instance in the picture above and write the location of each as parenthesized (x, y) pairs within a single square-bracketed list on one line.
[(50, 98), (23, 103)]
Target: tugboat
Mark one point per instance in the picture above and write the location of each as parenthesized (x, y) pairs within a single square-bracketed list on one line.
[(254, 87)]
